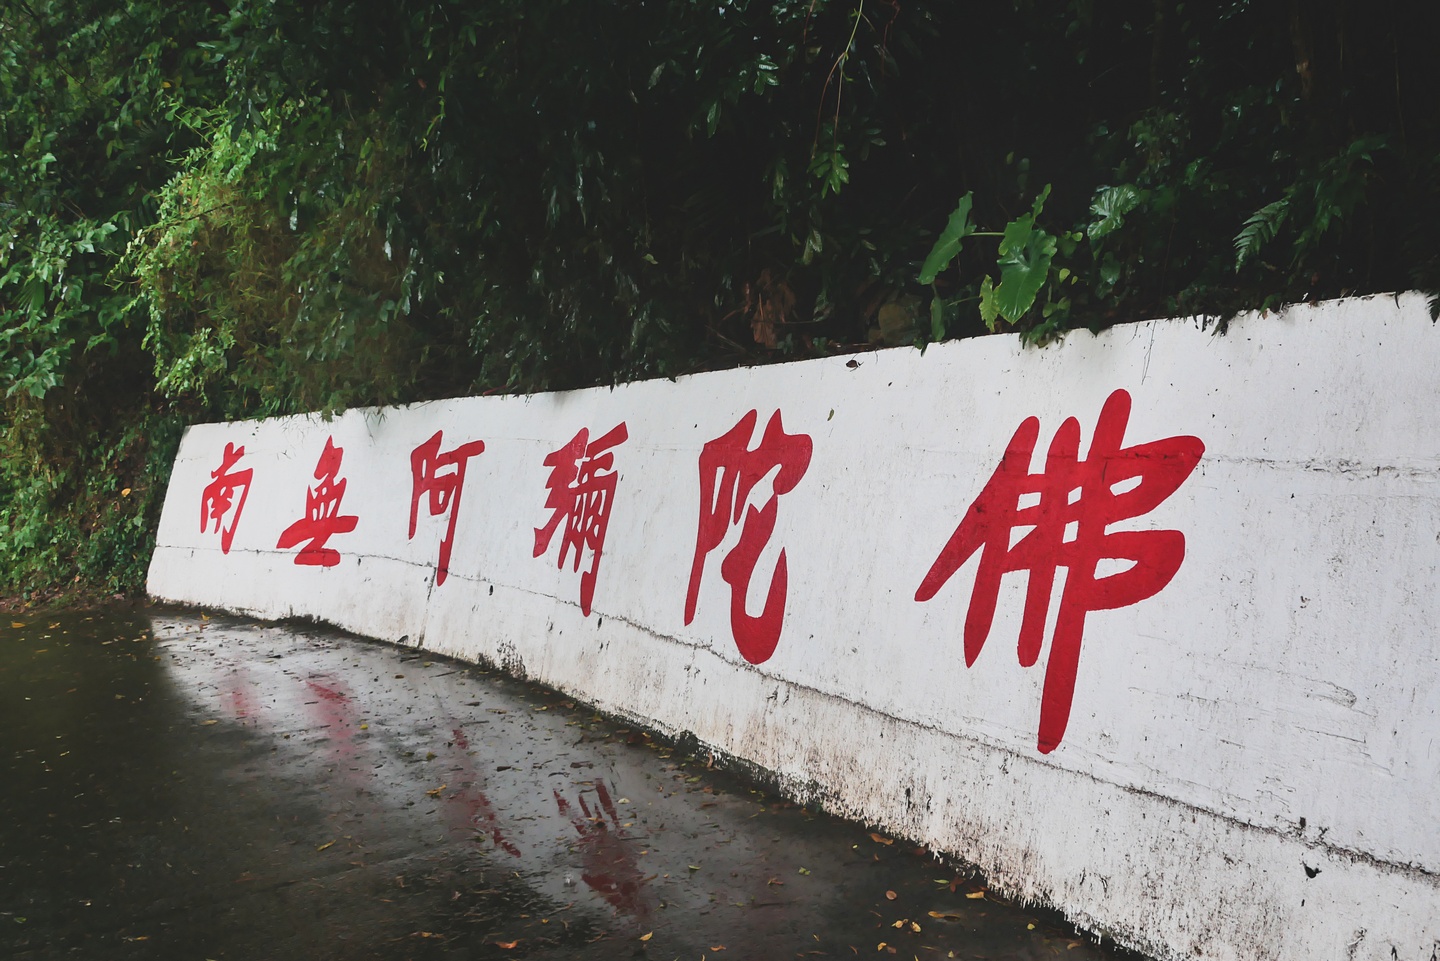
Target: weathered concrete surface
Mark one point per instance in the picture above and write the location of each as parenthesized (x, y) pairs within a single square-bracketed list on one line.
[(176, 787), (1252, 750)]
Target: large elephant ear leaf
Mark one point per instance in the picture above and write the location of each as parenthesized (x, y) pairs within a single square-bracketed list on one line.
[(1109, 208), (1026, 252), (947, 246)]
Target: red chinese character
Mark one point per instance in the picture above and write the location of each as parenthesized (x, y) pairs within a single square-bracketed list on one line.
[(729, 470), (322, 517), (1077, 500), (582, 488), (218, 495), (442, 476)]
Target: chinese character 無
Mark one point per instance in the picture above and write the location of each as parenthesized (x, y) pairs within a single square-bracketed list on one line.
[(322, 518)]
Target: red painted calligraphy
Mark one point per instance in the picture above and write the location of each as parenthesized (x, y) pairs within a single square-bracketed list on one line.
[(729, 470), (219, 496), (441, 475), (582, 488), (1067, 510), (322, 519)]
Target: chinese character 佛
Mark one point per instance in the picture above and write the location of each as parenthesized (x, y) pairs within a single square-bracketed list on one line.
[(582, 488), (729, 470), (1068, 508), (441, 475), (322, 518), (219, 495)]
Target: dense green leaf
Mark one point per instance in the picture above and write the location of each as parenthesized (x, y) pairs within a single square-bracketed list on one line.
[(1109, 208), (947, 245), (1260, 228)]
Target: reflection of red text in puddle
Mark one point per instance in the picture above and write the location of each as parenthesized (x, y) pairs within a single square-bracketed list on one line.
[(237, 697), (466, 809), (335, 713), (609, 867)]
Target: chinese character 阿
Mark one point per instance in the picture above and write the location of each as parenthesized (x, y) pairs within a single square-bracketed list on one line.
[(582, 488), (729, 470), (442, 476), (219, 495), (1067, 509), (322, 518)]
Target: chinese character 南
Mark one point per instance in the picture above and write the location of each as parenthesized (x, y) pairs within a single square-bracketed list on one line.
[(322, 518), (1065, 514), (582, 488), (441, 475), (729, 470), (219, 495)]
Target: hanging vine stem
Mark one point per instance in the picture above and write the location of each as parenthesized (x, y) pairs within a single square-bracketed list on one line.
[(840, 87)]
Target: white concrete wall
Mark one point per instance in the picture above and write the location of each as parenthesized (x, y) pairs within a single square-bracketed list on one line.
[(1268, 714)]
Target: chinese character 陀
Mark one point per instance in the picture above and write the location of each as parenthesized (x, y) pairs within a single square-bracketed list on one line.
[(729, 470)]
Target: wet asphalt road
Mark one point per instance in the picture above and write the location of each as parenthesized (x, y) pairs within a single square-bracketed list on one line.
[(179, 787)]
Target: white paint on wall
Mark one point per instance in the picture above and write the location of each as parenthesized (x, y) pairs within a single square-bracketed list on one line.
[(1251, 768)]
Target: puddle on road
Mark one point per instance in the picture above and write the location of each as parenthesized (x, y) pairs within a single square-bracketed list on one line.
[(175, 787)]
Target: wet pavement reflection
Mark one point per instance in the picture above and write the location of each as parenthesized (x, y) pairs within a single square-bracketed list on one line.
[(175, 786)]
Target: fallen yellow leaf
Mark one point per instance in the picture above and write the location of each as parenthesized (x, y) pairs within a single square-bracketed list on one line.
[(507, 945), (17, 624), (436, 792), (899, 924), (717, 947), (880, 839), (647, 937), (891, 895), (975, 895), (125, 492), (915, 927), (945, 916), (325, 845)]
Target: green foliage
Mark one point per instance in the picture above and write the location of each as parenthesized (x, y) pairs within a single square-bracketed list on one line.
[(88, 523), (947, 245), (229, 209), (1325, 197), (89, 128), (1260, 229), (1109, 208), (1025, 255)]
